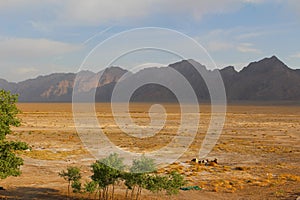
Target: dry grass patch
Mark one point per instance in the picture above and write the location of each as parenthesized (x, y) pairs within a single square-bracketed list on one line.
[(222, 185), (51, 155)]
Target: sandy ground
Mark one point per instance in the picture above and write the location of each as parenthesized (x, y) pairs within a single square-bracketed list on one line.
[(258, 152)]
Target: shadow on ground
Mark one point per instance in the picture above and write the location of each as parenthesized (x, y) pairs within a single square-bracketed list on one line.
[(295, 196), (31, 193)]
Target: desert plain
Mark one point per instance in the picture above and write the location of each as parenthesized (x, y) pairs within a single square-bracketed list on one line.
[(258, 152)]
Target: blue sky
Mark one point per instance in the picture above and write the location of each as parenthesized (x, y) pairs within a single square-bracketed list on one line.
[(43, 37)]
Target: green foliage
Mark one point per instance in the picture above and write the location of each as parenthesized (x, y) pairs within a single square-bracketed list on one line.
[(156, 183), (143, 165), (138, 176), (107, 171), (73, 176), (76, 186), (153, 182), (90, 187), (9, 162), (8, 113), (173, 183), (114, 161), (130, 180)]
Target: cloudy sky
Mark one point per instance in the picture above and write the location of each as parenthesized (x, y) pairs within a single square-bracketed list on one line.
[(42, 37)]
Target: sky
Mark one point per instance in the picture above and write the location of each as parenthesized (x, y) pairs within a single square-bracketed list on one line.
[(44, 37)]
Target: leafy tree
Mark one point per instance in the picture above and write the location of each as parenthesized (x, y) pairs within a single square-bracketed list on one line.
[(72, 175), (130, 182), (9, 162), (156, 183), (90, 187), (8, 112), (173, 183), (138, 176), (76, 186), (143, 165), (106, 172), (143, 175)]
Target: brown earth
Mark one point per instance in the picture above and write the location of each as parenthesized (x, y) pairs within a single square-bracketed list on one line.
[(258, 152)]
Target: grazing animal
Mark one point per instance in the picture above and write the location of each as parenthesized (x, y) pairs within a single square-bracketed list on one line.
[(195, 160), (215, 161), (201, 162), (212, 163)]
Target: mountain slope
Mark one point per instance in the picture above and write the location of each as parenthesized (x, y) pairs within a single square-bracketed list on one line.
[(58, 87), (266, 80), (269, 79)]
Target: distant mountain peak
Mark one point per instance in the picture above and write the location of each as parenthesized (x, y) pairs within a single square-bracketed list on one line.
[(114, 68), (266, 64), (187, 64), (272, 60), (274, 57), (229, 69), (111, 74)]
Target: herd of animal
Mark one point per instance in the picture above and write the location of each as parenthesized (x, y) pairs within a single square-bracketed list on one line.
[(206, 162)]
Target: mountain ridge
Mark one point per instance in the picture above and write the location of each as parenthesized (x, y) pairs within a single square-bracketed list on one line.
[(268, 79)]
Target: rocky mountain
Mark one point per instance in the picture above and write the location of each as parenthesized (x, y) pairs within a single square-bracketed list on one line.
[(58, 87), (266, 80), (269, 79)]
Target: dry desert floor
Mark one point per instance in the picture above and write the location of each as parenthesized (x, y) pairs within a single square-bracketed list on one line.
[(258, 152)]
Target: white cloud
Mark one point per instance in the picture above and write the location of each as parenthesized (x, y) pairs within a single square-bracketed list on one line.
[(255, 1), (21, 58), (293, 5), (242, 33), (296, 55), (40, 26), (26, 70), (33, 48), (247, 48), (13, 5), (95, 12), (251, 35), (99, 12), (237, 38), (219, 46), (19, 71)]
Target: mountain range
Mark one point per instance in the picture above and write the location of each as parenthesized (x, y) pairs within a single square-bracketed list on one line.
[(266, 80)]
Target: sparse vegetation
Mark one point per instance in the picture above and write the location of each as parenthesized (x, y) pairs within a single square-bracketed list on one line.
[(110, 170)]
